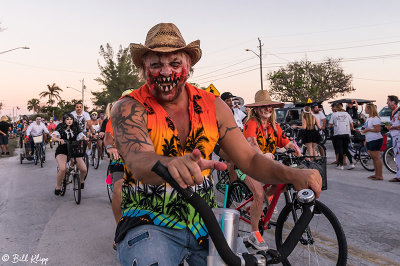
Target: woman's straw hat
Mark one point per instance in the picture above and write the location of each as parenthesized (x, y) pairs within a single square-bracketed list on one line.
[(165, 38), (4, 118), (262, 98)]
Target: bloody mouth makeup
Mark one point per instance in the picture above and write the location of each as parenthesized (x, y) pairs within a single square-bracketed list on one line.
[(166, 75), (167, 83)]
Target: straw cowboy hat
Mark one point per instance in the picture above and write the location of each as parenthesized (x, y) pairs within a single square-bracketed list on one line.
[(262, 98), (4, 118), (165, 38)]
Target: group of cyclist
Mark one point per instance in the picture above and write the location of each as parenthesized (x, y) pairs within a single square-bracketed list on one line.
[(171, 121)]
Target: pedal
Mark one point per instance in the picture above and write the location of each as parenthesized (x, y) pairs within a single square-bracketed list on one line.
[(271, 256)]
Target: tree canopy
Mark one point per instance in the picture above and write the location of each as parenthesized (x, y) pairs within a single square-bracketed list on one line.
[(116, 75), (299, 81), (52, 92)]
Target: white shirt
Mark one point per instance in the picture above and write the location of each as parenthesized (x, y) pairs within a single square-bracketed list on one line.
[(395, 122), (81, 119), (36, 130), (239, 115), (341, 123), (320, 116), (369, 124), (70, 134)]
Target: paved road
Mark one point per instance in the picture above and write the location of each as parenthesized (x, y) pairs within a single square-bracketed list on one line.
[(35, 221)]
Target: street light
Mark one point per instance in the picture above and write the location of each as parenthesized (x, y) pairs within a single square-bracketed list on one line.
[(83, 93), (22, 47), (259, 56)]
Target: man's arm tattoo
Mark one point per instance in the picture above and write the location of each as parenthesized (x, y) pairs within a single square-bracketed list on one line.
[(226, 131), (129, 128)]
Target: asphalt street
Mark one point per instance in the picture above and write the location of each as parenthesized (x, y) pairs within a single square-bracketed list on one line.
[(35, 222)]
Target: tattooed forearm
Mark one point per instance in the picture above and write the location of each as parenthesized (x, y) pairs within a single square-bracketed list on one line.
[(228, 129), (129, 119)]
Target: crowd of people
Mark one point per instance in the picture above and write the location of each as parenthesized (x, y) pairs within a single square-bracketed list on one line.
[(171, 121)]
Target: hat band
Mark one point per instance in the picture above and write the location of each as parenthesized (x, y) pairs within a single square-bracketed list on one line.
[(165, 45)]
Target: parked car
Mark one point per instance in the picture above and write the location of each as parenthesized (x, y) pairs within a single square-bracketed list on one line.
[(385, 113)]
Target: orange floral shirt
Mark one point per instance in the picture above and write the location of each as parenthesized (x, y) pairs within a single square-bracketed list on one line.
[(161, 204)]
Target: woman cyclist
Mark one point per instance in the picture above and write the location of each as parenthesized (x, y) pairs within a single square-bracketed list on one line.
[(67, 130), (96, 128), (264, 134)]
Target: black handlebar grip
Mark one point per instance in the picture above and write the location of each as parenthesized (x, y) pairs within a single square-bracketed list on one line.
[(163, 172)]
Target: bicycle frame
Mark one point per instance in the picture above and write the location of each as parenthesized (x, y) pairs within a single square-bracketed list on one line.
[(265, 220)]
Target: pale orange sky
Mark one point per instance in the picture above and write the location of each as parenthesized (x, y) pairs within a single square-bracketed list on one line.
[(64, 39)]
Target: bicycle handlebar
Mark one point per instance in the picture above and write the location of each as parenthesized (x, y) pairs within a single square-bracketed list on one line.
[(229, 257)]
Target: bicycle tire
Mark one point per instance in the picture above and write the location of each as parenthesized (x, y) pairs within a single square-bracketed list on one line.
[(237, 193), (77, 188), (64, 184), (35, 157), (309, 251), (41, 157), (96, 157), (110, 187), (51, 144), (365, 159), (389, 160), (20, 158), (86, 160), (323, 137)]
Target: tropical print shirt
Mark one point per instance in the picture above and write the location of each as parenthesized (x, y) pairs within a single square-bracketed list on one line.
[(267, 139), (161, 204)]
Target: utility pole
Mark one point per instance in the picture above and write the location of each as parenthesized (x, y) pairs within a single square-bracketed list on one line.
[(261, 75), (259, 56), (83, 94)]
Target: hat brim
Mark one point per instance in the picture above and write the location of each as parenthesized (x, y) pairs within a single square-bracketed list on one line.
[(266, 103), (139, 50)]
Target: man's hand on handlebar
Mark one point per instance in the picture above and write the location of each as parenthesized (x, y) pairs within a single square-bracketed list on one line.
[(308, 178), (186, 170)]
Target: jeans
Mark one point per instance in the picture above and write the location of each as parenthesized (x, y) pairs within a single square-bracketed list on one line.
[(157, 245)]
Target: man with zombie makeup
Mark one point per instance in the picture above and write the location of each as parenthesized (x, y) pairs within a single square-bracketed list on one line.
[(168, 119)]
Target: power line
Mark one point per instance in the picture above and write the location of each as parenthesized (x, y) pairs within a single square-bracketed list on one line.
[(381, 80), (211, 79), (205, 74), (339, 48)]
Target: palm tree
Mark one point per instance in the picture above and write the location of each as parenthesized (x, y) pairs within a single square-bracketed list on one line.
[(53, 92), (34, 104)]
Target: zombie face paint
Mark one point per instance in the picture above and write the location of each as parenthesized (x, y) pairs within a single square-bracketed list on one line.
[(167, 74), (265, 112)]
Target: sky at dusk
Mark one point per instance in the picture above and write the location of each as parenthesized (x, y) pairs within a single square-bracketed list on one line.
[(64, 39)]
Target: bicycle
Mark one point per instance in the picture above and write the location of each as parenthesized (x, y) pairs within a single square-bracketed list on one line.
[(305, 200), (39, 154), (360, 153), (72, 175), (323, 232), (389, 160), (95, 155)]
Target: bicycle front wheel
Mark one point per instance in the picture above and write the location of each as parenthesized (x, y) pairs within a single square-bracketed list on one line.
[(86, 160), (77, 188), (96, 157), (323, 242), (389, 160), (366, 159)]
